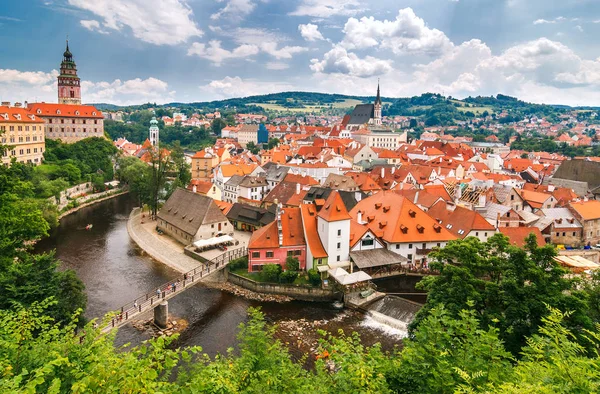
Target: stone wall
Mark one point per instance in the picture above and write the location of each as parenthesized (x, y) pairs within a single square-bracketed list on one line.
[(304, 293)]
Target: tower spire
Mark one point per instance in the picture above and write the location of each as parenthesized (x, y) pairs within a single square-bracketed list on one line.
[(378, 98)]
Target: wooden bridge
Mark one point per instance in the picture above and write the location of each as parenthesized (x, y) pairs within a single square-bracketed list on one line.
[(152, 299)]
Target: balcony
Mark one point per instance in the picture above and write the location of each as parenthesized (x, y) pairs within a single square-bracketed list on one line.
[(423, 251)]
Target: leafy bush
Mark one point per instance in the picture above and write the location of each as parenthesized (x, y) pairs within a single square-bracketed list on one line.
[(292, 264), (288, 276), (314, 277), (240, 263), (271, 272)]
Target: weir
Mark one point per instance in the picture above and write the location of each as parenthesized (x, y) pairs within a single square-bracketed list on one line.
[(394, 312)]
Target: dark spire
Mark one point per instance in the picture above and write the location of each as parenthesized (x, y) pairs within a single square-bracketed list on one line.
[(378, 98), (68, 56)]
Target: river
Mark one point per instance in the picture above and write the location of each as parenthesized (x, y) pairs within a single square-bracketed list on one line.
[(115, 272)]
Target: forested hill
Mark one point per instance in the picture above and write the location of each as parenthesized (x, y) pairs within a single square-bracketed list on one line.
[(317, 102)]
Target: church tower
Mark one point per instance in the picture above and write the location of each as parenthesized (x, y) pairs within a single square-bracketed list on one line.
[(69, 90), (154, 132), (377, 109)]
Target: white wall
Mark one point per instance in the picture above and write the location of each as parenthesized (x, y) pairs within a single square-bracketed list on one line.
[(328, 232)]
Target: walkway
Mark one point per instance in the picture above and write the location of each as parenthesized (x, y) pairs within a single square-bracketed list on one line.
[(160, 247)]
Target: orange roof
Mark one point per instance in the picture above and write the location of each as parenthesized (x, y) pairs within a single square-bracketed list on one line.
[(517, 235), (241, 169), (304, 180), (224, 206), (202, 187), (357, 231), (395, 219), (291, 227), (588, 210), (364, 181), (535, 199), (461, 221), (334, 209), (65, 110), (309, 219), (18, 115), (438, 190)]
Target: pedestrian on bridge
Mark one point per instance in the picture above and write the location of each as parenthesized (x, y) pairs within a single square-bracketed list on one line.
[(158, 293)]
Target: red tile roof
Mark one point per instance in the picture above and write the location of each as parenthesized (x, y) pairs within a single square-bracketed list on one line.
[(18, 115), (309, 219), (291, 225), (334, 209), (65, 110), (517, 235)]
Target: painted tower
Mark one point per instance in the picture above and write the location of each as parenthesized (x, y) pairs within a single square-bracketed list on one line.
[(69, 90), (377, 110), (154, 131)]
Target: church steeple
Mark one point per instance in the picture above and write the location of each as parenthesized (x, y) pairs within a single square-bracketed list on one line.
[(377, 108), (69, 90)]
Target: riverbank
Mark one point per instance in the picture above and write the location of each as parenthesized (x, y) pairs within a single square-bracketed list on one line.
[(160, 248), (105, 196)]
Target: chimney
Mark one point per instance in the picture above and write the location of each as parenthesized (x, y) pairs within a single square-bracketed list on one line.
[(194, 188), (359, 217), (6, 103), (17, 105), (297, 188), (357, 196), (383, 172)]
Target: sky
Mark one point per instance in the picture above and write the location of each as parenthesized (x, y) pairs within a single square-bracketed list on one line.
[(137, 51)]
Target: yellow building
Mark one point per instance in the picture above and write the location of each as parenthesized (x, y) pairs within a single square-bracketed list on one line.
[(203, 163), (22, 132)]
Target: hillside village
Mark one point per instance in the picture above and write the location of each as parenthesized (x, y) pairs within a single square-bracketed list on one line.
[(359, 196)]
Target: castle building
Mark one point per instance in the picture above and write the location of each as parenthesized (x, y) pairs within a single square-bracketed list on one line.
[(69, 121), (69, 89), (154, 131), (23, 133)]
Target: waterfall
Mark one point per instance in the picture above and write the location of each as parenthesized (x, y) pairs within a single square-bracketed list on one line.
[(391, 315)]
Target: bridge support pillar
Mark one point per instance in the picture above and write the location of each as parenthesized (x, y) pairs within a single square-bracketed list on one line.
[(161, 314)]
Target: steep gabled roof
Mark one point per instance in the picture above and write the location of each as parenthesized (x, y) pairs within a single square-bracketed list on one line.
[(517, 235), (334, 209), (461, 221), (309, 221)]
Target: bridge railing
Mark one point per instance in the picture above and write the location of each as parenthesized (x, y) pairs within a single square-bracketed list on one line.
[(176, 285)]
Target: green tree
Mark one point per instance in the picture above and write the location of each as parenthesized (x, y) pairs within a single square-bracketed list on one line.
[(217, 125), (251, 146), (273, 142), (271, 272), (292, 264), (508, 285)]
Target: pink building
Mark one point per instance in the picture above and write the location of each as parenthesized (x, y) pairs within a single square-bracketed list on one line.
[(275, 242)]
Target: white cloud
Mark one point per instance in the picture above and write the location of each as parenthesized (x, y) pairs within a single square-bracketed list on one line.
[(41, 86), (234, 9), (159, 22), (326, 8), (579, 28), (277, 66), (237, 87), (216, 54), (133, 91), (339, 61), (406, 34), (310, 32), (285, 52), (266, 40), (543, 21), (93, 25)]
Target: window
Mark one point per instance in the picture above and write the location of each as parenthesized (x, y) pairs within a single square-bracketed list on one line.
[(512, 197), (367, 242), (409, 257), (339, 233), (269, 254), (573, 233), (255, 255), (410, 246), (397, 246), (290, 253), (339, 258), (339, 245), (297, 252), (20, 128), (20, 151), (564, 234)]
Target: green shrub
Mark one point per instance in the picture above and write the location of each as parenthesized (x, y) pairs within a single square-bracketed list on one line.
[(314, 277), (238, 264), (288, 276), (271, 272), (292, 264)]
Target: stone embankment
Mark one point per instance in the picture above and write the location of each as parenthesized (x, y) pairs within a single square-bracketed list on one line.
[(248, 294)]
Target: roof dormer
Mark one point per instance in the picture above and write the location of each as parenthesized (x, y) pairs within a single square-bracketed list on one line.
[(39, 111), (58, 111)]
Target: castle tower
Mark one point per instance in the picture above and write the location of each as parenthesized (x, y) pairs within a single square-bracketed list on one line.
[(69, 90), (154, 131), (377, 110)]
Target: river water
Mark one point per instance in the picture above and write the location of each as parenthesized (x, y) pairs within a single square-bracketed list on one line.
[(115, 272)]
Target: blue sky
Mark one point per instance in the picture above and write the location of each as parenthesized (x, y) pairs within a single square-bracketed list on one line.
[(133, 51)]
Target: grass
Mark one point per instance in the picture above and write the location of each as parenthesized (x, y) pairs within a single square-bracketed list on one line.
[(476, 110), (257, 277), (348, 103)]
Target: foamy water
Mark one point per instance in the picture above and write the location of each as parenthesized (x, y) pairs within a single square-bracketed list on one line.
[(392, 331)]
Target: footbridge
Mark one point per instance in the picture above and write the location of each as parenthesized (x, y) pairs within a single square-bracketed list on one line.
[(155, 297)]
